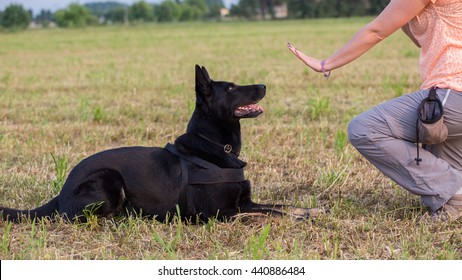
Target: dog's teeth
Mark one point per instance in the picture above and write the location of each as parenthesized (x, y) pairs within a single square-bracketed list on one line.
[(248, 110)]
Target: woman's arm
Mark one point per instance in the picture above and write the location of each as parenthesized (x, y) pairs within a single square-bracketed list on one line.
[(395, 15)]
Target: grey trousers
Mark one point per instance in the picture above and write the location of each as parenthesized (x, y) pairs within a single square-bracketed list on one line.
[(386, 136)]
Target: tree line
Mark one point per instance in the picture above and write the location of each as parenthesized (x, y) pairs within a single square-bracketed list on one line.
[(98, 13)]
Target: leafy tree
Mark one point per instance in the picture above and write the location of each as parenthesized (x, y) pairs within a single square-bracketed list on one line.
[(246, 8), (252, 9), (200, 4), (357, 8), (214, 7), (189, 12), (376, 6), (167, 11), (119, 14), (192, 10), (44, 17), (327, 8), (74, 16), (101, 9), (15, 17), (141, 11), (301, 8)]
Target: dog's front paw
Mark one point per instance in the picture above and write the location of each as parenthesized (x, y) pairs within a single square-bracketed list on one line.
[(306, 213)]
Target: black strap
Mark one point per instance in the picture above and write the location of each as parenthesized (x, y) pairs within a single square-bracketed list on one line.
[(227, 148), (209, 174), (193, 159), (206, 176), (183, 200), (418, 159), (432, 94)]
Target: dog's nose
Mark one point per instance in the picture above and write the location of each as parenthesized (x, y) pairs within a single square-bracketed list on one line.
[(262, 88)]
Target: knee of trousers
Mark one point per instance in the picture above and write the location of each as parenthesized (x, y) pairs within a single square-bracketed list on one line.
[(358, 133)]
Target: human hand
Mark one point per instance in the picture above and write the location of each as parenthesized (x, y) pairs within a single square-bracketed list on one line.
[(311, 62)]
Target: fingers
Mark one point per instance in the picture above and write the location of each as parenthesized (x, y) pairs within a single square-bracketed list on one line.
[(294, 51), (300, 55), (309, 61)]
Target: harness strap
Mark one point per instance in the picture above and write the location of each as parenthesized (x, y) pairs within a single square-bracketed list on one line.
[(206, 177), (183, 199), (193, 159), (209, 174)]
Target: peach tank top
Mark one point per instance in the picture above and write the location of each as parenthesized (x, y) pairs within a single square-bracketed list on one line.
[(438, 29)]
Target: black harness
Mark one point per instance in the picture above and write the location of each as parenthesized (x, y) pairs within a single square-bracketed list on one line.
[(207, 174)]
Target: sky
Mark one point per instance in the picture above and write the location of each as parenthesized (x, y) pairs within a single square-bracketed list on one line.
[(37, 5)]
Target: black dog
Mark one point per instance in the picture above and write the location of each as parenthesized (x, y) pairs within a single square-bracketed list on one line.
[(200, 175)]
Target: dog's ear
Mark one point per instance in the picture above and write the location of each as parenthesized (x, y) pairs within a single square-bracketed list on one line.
[(206, 74), (202, 80)]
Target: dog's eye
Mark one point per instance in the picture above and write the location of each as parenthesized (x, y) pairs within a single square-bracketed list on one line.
[(231, 87)]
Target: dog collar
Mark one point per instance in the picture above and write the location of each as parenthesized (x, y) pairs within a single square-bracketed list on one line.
[(227, 148)]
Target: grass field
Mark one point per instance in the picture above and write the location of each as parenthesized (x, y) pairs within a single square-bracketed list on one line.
[(66, 94)]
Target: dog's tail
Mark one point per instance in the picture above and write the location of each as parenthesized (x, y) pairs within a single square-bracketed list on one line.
[(14, 215)]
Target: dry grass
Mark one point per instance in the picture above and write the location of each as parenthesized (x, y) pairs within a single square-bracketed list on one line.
[(66, 94)]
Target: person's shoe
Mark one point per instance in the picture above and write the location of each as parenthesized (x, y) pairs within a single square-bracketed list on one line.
[(452, 210)]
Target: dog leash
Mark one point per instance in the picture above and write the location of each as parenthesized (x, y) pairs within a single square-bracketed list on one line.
[(227, 148), (209, 173)]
